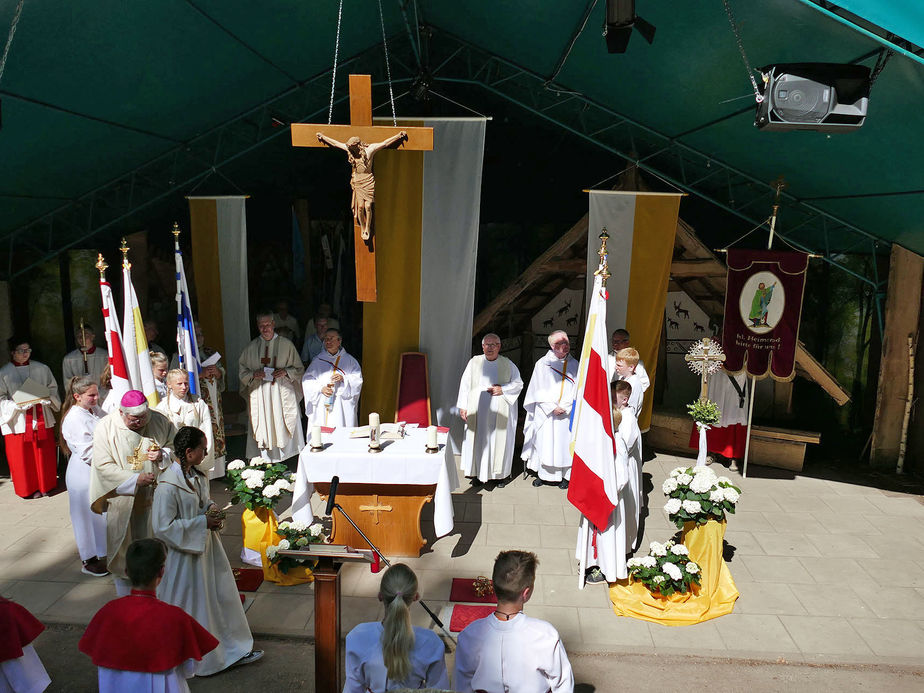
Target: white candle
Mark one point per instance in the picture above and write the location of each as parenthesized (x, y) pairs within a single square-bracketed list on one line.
[(374, 429), (316, 437), (431, 437)]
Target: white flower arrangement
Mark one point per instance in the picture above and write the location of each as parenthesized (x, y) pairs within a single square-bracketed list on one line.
[(295, 534), (260, 484), (235, 465), (269, 491), (696, 494), (666, 569)]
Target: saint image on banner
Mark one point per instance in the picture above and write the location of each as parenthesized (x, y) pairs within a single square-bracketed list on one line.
[(763, 306)]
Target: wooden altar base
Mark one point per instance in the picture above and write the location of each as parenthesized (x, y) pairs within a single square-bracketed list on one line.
[(389, 514)]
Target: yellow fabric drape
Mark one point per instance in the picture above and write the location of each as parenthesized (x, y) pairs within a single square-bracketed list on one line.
[(652, 251), (259, 530), (391, 325), (203, 218), (714, 597)]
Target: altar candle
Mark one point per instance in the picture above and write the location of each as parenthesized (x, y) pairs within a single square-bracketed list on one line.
[(316, 437), (374, 430), (431, 437)]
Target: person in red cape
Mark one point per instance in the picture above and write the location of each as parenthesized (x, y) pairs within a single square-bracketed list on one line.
[(140, 643), (729, 436), (20, 666), (28, 400)]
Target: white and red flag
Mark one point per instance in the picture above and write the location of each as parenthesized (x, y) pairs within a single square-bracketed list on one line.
[(595, 482), (119, 373)]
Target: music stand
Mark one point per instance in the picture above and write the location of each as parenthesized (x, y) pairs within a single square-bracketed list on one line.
[(327, 606)]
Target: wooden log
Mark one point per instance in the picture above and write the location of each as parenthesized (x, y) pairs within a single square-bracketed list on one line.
[(903, 306), (700, 267)]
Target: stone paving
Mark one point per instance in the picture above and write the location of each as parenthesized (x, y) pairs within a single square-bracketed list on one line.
[(829, 572)]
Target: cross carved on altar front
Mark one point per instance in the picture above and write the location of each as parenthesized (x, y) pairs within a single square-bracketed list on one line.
[(375, 509), (704, 363), (419, 139)]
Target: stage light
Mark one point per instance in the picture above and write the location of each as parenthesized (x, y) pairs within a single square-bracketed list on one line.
[(620, 21)]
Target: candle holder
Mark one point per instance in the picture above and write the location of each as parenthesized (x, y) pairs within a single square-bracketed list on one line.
[(430, 450), (375, 447), (316, 448)]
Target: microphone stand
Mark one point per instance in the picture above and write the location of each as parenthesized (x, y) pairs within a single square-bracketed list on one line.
[(375, 548)]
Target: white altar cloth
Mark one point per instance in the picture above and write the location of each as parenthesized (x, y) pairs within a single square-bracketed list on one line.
[(401, 462)]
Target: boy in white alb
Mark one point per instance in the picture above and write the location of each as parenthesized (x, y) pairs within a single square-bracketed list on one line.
[(626, 362), (509, 651), (633, 492)]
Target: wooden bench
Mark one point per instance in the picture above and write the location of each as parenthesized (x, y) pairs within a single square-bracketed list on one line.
[(780, 447)]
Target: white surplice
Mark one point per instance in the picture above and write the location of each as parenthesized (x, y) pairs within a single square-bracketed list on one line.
[(170, 681), (487, 451), (12, 378), (25, 674), (733, 407), (192, 411), (640, 371), (634, 491), (275, 430), (198, 576), (523, 654), (607, 547), (340, 408), (89, 528), (72, 366), (638, 391), (365, 668), (546, 437)]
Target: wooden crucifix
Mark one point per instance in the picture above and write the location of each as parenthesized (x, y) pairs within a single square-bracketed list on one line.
[(705, 357), (371, 138)]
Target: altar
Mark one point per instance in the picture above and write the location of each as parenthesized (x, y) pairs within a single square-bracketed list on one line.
[(383, 492)]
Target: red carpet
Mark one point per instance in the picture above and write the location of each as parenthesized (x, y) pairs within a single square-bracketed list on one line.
[(248, 579), (463, 591)]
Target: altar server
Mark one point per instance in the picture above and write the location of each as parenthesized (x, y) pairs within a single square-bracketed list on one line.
[(631, 435), (140, 643), (211, 384), (331, 385), (546, 433), (185, 409), (131, 446), (21, 670), (619, 341), (198, 576), (96, 359), (159, 367), (626, 365), (79, 416), (509, 651), (28, 426), (603, 549), (389, 654), (728, 437), (487, 403), (269, 370)]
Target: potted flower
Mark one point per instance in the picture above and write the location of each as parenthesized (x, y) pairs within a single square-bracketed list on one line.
[(697, 495), (705, 414), (259, 485), (294, 535), (666, 570)]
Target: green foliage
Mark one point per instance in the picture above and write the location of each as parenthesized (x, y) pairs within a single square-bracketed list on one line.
[(666, 569), (704, 411)]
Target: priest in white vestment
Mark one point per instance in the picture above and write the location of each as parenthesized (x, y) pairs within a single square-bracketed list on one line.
[(603, 550), (184, 409), (332, 384), (131, 446), (97, 360), (487, 403), (549, 397), (197, 575), (269, 369)]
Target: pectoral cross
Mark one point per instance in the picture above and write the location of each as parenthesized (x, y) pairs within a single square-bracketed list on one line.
[(266, 359), (418, 139)]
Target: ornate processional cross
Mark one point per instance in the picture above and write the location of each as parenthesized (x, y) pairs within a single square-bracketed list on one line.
[(704, 357), (418, 139)]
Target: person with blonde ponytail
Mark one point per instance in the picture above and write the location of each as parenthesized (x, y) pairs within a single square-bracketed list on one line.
[(393, 654), (79, 415)]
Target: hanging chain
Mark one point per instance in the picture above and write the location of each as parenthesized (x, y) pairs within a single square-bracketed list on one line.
[(880, 65), (333, 79), (744, 57), (9, 40), (391, 95)]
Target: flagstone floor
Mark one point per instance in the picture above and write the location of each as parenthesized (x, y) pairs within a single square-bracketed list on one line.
[(829, 572)]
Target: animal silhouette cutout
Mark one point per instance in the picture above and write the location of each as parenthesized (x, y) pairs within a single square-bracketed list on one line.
[(673, 324), (698, 328), (681, 312), (547, 323), (564, 309), (572, 320)]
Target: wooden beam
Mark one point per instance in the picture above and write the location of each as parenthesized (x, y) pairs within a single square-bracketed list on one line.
[(700, 267), (577, 266), (903, 307), (306, 135), (818, 374), (577, 233)]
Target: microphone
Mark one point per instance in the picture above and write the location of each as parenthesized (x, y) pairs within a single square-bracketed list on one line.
[(332, 496)]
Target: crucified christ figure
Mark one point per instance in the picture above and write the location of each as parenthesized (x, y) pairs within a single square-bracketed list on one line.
[(363, 180)]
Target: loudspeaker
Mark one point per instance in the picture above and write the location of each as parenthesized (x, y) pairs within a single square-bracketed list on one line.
[(620, 21), (826, 97)]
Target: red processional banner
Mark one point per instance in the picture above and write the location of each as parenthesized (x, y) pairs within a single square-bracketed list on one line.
[(763, 304)]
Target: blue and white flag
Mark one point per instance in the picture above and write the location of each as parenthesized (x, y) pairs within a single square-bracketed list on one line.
[(187, 349)]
